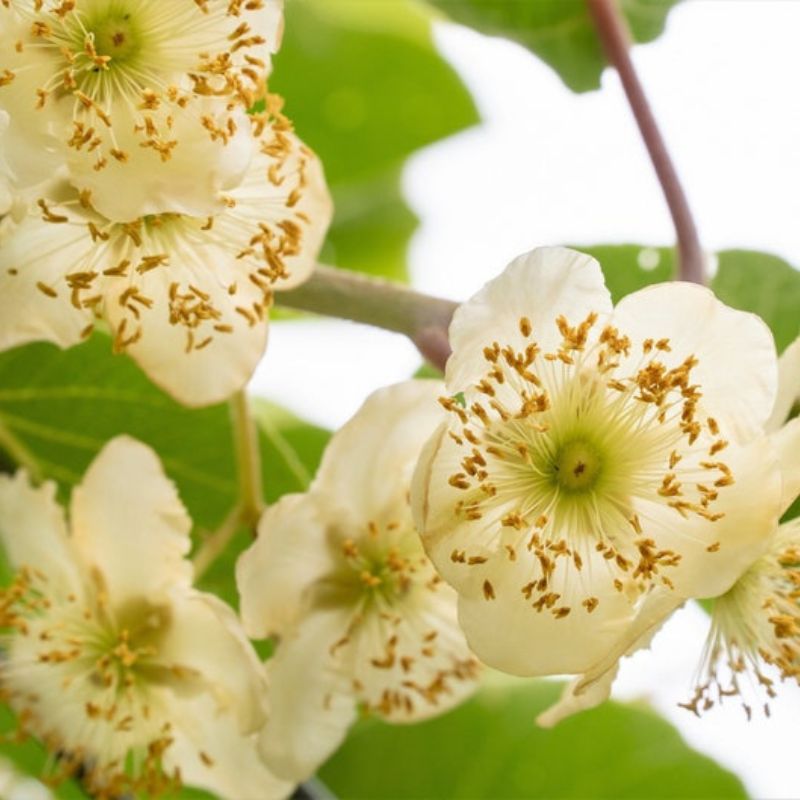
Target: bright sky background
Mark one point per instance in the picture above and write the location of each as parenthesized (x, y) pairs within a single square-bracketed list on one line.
[(551, 167)]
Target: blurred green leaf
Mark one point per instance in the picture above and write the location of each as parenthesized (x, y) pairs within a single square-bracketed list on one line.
[(764, 284), (365, 88), (30, 758), (560, 32), (490, 748), (63, 406), (630, 267)]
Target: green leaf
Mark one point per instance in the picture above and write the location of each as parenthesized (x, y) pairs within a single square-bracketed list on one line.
[(764, 284), (630, 267), (30, 757), (365, 88), (560, 32), (490, 748), (63, 406)]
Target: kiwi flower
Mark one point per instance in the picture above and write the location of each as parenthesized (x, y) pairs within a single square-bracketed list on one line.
[(755, 625), (107, 655), (187, 297), (338, 574), (600, 465), (135, 95)]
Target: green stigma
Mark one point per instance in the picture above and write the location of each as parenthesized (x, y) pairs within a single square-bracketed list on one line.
[(116, 36), (577, 466)]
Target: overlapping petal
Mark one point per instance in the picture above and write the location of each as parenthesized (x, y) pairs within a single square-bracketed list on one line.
[(540, 285), (186, 297), (135, 532), (735, 351), (34, 531)]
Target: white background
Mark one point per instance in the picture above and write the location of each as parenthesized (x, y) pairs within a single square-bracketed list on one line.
[(550, 167)]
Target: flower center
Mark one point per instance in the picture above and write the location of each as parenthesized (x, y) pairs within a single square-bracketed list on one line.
[(117, 37), (79, 675), (574, 452), (577, 466)]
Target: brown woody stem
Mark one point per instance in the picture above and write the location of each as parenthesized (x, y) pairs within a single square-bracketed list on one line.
[(614, 34)]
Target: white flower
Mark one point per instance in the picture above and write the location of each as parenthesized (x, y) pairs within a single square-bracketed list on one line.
[(757, 621), (600, 466), (755, 634), (594, 686), (186, 297), (6, 176), (339, 575), (111, 658), (136, 93)]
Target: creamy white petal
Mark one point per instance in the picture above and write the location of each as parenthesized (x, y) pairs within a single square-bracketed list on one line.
[(212, 753), (368, 461), (508, 632), (34, 532), (35, 301), (736, 370), (715, 553), (187, 297), (786, 441), (193, 344), (311, 699), (284, 189), (128, 523), (540, 286), (788, 385), (594, 687), (192, 181), (30, 149), (416, 664), (206, 637), (276, 574)]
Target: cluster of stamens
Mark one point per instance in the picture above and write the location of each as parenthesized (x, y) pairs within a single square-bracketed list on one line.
[(133, 250), (391, 587), (75, 654), (107, 58), (757, 622), (558, 446)]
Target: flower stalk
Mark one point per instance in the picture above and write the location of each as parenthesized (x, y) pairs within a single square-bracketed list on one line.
[(614, 35), (348, 295), (248, 460)]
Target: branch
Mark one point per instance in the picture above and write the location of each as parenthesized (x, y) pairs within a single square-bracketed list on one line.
[(20, 454), (348, 295), (216, 543), (614, 34), (248, 460)]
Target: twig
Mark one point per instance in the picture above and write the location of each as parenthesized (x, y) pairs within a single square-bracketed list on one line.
[(20, 453), (348, 295), (214, 545), (614, 34), (248, 460)]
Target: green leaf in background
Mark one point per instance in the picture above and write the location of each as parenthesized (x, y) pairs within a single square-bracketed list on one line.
[(30, 758), (560, 32), (365, 88), (764, 284), (490, 748), (630, 267), (63, 406)]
